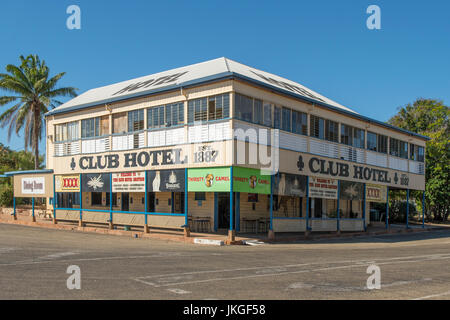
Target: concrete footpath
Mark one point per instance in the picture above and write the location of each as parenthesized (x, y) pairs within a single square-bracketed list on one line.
[(211, 238)]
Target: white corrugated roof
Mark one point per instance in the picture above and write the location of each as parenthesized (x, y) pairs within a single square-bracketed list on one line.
[(191, 74)]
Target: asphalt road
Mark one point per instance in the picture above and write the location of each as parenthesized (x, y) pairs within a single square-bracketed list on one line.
[(34, 261)]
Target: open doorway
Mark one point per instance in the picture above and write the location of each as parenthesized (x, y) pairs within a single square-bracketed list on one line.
[(223, 208), (125, 201)]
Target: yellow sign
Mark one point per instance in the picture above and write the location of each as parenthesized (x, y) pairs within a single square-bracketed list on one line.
[(67, 183), (376, 193)]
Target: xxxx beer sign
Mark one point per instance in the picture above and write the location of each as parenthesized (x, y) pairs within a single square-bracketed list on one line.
[(376, 193), (67, 183)]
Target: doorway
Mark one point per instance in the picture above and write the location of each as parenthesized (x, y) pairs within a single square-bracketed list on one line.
[(125, 201), (223, 210), (151, 202)]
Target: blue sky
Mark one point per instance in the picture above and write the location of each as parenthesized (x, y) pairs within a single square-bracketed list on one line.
[(324, 45)]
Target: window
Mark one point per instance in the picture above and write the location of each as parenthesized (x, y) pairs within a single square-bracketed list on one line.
[(376, 142), (119, 122), (317, 126), (90, 127), (331, 131), (67, 199), (421, 154), (200, 196), (257, 111), (382, 144), (346, 135), (243, 107), (299, 122), (67, 131), (197, 110), (398, 148), (371, 141), (136, 120), (352, 136), (403, 150), (276, 117), (394, 147), (96, 198), (286, 119), (413, 152), (218, 107), (267, 121), (114, 197), (165, 116)]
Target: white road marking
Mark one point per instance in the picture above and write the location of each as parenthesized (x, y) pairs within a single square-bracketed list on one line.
[(7, 249), (159, 255), (433, 296), (353, 265), (57, 255), (179, 291)]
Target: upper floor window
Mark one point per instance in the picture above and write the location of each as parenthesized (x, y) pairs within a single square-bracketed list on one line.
[(317, 126), (219, 107), (376, 142), (352, 136), (135, 120), (276, 117), (324, 129), (243, 107), (212, 108), (267, 114), (119, 122), (331, 131), (286, 119), (299, 122), (398, 148), (416, 153), (165, 116), (66, 131), (94, 127), (258, 116)]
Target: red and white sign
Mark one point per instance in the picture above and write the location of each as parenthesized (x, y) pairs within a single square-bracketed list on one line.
[(323, 188), (128, 182)]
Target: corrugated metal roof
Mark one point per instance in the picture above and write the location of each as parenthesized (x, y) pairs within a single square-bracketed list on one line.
[(189, 75)]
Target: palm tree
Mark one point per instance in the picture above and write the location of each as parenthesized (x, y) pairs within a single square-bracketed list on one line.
[(33, 93)]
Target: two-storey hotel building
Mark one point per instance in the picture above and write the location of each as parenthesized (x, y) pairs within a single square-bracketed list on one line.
[(220, 145)]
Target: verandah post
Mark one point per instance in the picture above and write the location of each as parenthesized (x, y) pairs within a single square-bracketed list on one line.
[(187, 231), (111, 225), (307, 206), (32, 210), (55, 201), (387, 207), (407, 208), (423, 209), (80, 194), (14, 208), (364, 208), (231, 232), (146, 230), (338, 227)]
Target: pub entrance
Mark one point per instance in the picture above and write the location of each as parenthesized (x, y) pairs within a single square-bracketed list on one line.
[(223, 208), (125, 201)]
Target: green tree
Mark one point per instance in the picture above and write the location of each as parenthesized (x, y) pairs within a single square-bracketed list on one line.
[(32, 93), (431, 118)]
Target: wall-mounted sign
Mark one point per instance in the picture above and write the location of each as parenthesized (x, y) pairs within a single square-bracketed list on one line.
[(351, 190), (376, 193), (95, 182), (289, 184), (323, 188), (67, 183), (250, 180), (209, 179), (33, 186), (166, 180), (128, 182)]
